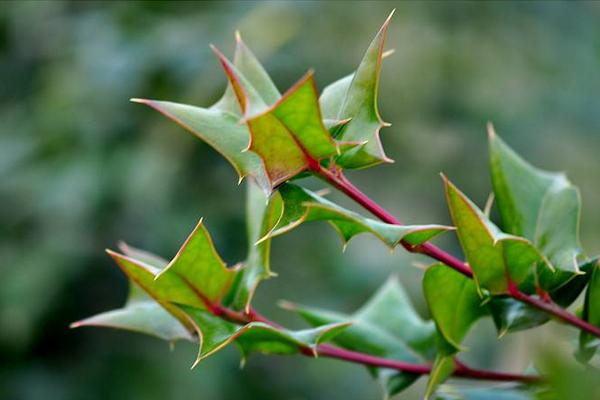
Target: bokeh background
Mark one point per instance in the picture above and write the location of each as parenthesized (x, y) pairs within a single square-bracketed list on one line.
[(81, 168)]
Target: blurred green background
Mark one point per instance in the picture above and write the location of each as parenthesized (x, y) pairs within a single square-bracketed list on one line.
[(81, 168)]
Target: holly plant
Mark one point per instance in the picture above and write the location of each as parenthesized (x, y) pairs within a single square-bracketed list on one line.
[(521, 272)]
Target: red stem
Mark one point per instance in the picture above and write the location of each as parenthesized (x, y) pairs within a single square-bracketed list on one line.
[(552, 308), (326, 350), (338, 180)]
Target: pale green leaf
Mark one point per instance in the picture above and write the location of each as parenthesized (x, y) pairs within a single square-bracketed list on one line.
[(301, 205), (219, 126), (386, 326), (140, 314), (541, 206)]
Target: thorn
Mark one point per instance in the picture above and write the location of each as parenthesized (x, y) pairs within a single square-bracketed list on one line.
[(138, 100), (287, 305), (420, 265), (488, 205), (124, 247), (323, 192), (387, 20), (344, 246), (388, 53), (491, 131), (238, 36)]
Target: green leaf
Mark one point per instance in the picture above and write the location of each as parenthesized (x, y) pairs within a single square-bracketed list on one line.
[(453, 301), (140, 314), (355, 97), (386, 326), (262, 213), (455, 305), (196, 276), (494, 256), (302, 205), (541, 206), (289, 136), (221, 130), (215, 333), (219, 125), (588, 343), (510, 315)]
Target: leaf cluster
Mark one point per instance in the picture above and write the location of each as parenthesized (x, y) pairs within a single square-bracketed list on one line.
[(272, 138)]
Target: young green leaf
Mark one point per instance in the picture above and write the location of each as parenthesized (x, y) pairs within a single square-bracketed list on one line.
[(386, 326), (219, 124), (495, 257), (262, 213), (541, 206), (355, 97), (140, 314), (301, 205), (453, 301), (196, 276), (588, 343), (289, 136), (215, 333)]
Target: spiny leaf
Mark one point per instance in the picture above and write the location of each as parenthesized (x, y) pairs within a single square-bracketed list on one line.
[(495, 257), (289, 136), (215, 333), (453, 301), (588, 343), (140, 314), (302, 205), (219, 124), (262, 213), (386, 326), (221, 130), (541, 206), (196, 276), (355, 97)]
